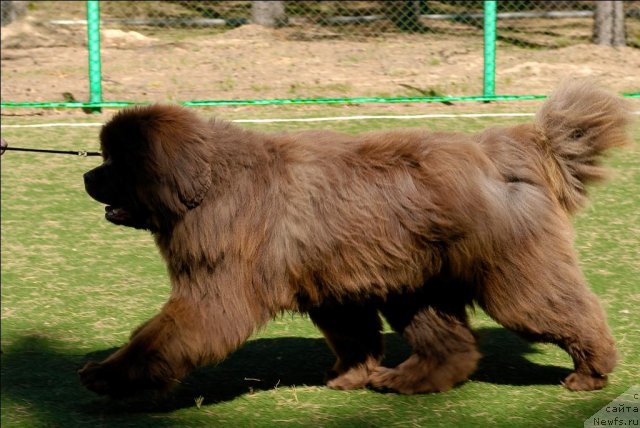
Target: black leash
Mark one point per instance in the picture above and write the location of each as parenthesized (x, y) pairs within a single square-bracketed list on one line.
[(83, 153)]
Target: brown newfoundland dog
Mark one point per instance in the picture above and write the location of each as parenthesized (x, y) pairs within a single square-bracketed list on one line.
[(409, 224)]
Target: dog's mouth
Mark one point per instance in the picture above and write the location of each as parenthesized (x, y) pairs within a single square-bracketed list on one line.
[(124, 217), (118, 215)]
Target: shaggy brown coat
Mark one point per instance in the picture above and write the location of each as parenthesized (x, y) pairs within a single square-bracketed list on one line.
[(411, 224)]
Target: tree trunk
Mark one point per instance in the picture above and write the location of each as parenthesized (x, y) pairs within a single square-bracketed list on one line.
[(608, 29), (618, 36), (405, 15), (269, 13), (12, 10)]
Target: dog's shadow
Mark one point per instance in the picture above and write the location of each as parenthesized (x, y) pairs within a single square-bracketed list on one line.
[(262, 364), (265, 364)]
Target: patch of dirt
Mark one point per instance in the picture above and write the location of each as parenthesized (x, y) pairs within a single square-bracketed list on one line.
[(113, 38), (41, 61), (29, 33)]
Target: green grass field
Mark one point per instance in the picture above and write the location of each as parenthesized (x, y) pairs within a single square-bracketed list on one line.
[(74, 286)]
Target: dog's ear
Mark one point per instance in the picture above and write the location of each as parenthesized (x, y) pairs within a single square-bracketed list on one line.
[(179, 154), (192, 178)]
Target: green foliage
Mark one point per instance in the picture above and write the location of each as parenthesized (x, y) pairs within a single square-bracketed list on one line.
[(74, 286)]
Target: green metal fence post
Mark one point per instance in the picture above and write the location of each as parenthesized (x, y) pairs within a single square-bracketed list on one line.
[(93, 35), (489, 84)]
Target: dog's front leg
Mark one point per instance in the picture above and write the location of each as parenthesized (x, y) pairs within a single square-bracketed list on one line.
[(184, 335)]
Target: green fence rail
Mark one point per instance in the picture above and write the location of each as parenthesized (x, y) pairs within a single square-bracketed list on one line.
[(96, 102)]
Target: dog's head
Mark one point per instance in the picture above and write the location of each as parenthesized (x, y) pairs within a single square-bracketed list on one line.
[(155, 166)]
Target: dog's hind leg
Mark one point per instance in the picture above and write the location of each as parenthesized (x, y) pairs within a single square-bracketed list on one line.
[(540, 293), (444, 348), (353, 331)]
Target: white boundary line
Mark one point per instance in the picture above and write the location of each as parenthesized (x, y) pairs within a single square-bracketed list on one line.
[(52, 125), (383, 117), (306, 119), (312, 119)]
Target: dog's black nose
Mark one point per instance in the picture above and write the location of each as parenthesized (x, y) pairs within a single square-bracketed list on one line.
[(88, 177), (94, 184), (89, 182)]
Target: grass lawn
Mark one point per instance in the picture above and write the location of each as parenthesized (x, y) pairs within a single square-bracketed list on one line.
[(74, 286)]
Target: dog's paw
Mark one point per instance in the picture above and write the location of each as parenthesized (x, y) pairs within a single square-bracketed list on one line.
[(392, 379), (98, 378), (121, 377), (355, 378), (584, 382)]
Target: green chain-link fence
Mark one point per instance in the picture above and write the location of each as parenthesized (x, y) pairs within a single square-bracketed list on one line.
[(235, 52), (523, 23)]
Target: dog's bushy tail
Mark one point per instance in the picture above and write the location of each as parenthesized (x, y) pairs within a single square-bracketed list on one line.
[(580, 122)]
